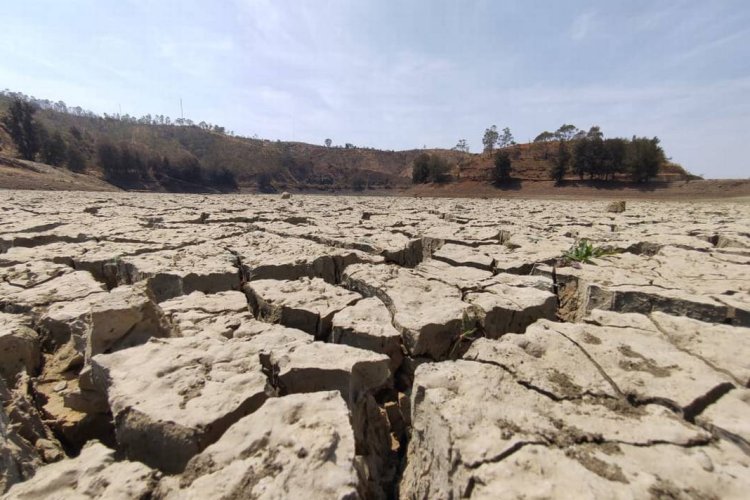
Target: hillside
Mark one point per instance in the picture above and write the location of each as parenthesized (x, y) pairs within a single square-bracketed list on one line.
[(189, 157)]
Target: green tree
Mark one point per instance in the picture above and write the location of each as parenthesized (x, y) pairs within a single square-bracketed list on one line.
[(506, 139), (429, 168), (76, 160), (582, 158), (503, 165), (595, 132), (19, 121), (108, 156), (560, 168), (328, 143), (54, 150), (566, 132), (544, 137), (490, 139), (462, 145), (358, 183), (439, 169), (614, 157), (420, 169), (589, 157), (644, 158)]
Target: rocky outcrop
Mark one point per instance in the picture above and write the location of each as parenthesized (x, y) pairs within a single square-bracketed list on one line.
[(367, 325), (502, 308), (293, 447), (309, 367), (32, 288), (216, 314), (20, 350), (206, 268), (264, 255), (93, 474), (181, 395), (18, 457), (517, 429), (306, 304)]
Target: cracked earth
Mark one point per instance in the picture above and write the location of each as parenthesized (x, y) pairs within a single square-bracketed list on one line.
[(177, 346)]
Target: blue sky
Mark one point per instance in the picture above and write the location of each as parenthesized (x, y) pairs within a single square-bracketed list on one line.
[(398, 74)]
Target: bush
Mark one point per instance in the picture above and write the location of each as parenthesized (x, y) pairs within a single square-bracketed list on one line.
[(76, 160), (264, 183), (358, 184), (429, 168), (562, 161), (54, 150), (503, 165), (644, 158), (22, 128)]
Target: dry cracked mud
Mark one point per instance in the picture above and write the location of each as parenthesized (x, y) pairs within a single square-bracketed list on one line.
[(179, 346)]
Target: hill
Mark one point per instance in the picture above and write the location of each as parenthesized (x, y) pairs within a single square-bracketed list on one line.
[(155, 154)]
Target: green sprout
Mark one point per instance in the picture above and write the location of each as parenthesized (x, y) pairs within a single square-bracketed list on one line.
[(468, 332), (584, 251)]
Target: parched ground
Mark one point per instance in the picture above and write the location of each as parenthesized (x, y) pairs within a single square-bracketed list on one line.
[(187, 346)]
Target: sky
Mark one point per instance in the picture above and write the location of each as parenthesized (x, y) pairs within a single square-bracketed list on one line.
[(401, 74)]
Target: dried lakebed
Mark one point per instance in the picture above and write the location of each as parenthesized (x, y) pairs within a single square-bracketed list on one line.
[(160, 346)]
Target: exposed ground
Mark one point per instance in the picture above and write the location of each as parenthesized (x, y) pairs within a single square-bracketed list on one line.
[(186, 346)]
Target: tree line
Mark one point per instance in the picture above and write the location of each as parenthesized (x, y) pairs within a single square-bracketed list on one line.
[(586, 154), (34, 142), (589, 154), (123, 165), (147, 119)]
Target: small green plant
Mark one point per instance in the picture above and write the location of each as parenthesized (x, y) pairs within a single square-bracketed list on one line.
[(584, 251), (468, 332)]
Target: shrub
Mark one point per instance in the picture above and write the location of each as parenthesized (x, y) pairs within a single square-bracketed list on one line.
[(429, 168), (501, 172), (584, 251)]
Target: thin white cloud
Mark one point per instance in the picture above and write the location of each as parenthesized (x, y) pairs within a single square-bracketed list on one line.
[(582, 25)]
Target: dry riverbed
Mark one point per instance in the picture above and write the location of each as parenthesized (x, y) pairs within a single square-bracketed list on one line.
[(179, 346)]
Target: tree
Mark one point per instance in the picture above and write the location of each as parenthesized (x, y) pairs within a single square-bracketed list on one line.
[(582, 158), (348, 145), (462, 145), (566, 132), (76, 160), (22, 129), (595, 132), (614, 157), (506, 139), (439, 169), (429, 168), (420, 169), (264, 183), (501, 172), (76, 133), (644, 158), (490, 139), (328, 143), (589, 157), (108, 156), (223, 179), (54, 150), (358, 183), (544, 137), (560, 167)]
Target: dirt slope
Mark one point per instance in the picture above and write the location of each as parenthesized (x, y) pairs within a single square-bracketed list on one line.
[(20, 174)]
